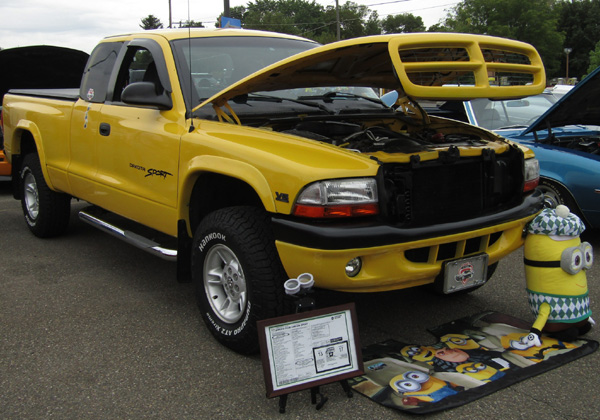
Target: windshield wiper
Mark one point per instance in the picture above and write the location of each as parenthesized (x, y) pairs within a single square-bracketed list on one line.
[(329, 96), (259, 97), (511, 126)]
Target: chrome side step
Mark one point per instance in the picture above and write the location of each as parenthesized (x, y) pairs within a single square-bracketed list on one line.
[(128, 236)]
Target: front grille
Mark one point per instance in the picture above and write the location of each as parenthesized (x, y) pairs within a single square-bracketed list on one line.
[(452, 250), (451, 188)]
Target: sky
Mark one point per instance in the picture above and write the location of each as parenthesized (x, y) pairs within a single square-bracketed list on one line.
[(81, 24)]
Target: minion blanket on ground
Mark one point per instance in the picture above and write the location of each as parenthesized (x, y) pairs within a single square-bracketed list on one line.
[(474, 357)]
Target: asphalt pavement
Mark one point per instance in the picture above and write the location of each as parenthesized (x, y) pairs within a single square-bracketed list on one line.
[(92, 328)]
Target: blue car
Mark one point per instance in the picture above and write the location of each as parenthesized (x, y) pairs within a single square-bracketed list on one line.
[(562, 127)]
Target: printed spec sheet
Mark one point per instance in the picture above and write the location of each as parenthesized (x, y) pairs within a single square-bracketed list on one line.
[(311, 349)]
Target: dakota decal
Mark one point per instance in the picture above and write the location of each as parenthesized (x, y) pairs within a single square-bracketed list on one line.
[(141, 168), (151, 171)]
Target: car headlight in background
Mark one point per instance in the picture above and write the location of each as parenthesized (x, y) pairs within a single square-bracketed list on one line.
[(338, 198)]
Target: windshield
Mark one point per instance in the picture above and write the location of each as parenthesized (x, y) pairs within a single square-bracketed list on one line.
[(217, 62), (213, 63), (513, 113)]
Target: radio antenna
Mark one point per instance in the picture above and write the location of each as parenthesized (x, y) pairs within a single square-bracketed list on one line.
[(190, 66)]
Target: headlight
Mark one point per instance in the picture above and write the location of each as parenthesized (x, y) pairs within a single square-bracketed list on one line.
[(532, 174), (338, 198)]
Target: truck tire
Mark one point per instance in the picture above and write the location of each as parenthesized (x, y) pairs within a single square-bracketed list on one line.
[(46, 212), (237, 275)]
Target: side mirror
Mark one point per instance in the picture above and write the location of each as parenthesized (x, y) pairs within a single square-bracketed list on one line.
[(390, 98), (144, 93)]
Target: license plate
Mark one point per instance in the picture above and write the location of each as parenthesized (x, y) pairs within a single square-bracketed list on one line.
[(465, 273)]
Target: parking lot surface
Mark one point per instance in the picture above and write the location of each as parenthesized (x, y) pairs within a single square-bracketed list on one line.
[(92, 328)]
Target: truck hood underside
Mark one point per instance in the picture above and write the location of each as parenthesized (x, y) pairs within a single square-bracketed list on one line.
[(423, 65)]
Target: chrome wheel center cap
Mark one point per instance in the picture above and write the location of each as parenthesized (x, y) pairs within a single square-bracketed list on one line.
[(232, 280)]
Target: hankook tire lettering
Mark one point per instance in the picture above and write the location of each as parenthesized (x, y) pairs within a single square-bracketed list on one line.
[(210, 237)]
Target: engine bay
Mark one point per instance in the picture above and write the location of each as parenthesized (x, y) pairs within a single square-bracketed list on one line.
[(382, 135), (586, 144)]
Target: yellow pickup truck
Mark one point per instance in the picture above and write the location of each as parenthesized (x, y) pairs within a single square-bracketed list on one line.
[(252, 157)]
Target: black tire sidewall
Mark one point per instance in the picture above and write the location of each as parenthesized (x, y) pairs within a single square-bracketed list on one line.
[(201, 248), (262, 273), (28, 167), (54, 208)]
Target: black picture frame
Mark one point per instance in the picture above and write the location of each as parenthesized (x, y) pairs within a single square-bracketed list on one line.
[(328, 339)]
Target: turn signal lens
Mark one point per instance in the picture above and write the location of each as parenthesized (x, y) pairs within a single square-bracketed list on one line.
[(336, 211)]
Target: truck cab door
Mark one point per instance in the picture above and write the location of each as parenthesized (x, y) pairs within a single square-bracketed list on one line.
[(85, 119), (138, 141)]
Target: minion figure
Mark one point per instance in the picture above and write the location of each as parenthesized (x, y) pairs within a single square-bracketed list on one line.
[(419, 353), (459, 341), (480, 371), (416, 388), (517, 344), (555, 265)]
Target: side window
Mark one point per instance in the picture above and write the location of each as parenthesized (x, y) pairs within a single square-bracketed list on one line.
[(98, 70), (138, 66)]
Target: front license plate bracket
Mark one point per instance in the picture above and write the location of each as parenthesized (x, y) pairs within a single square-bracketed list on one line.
[(464, 273)]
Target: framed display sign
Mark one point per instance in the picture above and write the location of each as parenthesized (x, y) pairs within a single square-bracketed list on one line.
[(310, 349)]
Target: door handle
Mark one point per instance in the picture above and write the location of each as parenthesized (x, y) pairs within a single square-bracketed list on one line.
[(104, 129)]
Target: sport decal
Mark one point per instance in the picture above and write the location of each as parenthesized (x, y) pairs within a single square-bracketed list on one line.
[(151, 171)]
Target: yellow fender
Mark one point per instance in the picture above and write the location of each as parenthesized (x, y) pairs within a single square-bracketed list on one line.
[(32, 128), (228, 167)]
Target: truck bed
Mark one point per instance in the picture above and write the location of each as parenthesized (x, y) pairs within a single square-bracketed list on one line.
[(71, 94)]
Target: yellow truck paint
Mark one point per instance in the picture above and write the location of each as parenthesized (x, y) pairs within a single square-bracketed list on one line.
[(383, 265), (204, 148)]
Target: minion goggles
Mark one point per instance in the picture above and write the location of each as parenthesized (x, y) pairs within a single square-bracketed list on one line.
[(572, 260)]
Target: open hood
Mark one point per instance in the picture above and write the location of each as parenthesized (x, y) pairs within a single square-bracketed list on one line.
[(440, 66), (579, 106)]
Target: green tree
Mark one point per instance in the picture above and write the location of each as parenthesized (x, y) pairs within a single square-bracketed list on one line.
[(580, 22), (533, 21), (373, 24), (406, 22), (190, 24), (594, 59), (151, 22), (296, 17), (308, 19), (439, 27), (353, 19)]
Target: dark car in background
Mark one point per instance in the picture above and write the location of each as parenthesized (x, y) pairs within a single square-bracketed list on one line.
[(39, 66)]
